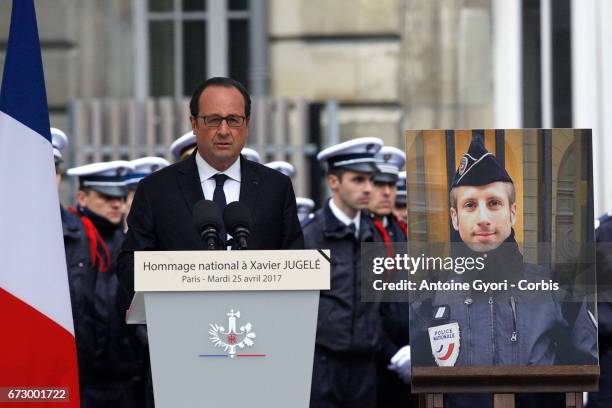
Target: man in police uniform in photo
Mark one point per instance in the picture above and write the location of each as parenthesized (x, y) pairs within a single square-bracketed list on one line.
[(502, 327), (394, 358), (348, 330), (118, 372)]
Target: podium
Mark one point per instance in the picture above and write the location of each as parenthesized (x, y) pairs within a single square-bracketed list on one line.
[(230, 328)]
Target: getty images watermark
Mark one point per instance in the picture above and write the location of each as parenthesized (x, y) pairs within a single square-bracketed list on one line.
[(397, 272), (458, 265)]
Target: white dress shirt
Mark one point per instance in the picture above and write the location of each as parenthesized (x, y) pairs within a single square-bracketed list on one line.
[(231, 187), (343, 218)]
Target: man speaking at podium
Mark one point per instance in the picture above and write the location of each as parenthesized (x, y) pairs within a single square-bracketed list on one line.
[(161, 217)]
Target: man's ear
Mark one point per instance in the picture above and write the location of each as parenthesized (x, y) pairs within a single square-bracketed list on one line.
[(513, 213), (333, 181), (81, 198), (194, 123), (454, 219)]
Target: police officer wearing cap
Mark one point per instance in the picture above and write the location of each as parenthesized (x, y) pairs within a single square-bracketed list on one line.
[(499, 327), (118, 370), (252, 155), (142, 168), (81, 278), (394, 358), (389, 161), (183, 146), (399, 208), (344, 372), (304, 205)]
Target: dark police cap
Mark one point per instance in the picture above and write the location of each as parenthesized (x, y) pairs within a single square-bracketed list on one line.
[(479, 167)]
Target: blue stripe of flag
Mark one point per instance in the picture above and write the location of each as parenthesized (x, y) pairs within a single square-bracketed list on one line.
[(23, 95)]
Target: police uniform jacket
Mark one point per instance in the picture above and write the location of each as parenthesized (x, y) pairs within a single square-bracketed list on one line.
[(345, 324), (119, 354), (82, 280), (394, 315), (510, 327)]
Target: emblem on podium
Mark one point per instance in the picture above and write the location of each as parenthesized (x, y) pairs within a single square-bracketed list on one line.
[(233, 337)]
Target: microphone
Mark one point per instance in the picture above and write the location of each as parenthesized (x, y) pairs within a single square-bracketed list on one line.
[(207, 220), (237, 219)]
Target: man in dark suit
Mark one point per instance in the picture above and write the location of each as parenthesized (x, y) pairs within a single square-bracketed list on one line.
[(161, 215)]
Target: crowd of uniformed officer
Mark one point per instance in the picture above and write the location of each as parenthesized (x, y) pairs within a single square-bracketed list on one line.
[(362, 352)]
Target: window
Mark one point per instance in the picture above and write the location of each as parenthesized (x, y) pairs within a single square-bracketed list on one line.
[(183, 42)]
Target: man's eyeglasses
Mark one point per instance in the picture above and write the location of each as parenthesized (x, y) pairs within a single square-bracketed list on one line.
[(233, 121)]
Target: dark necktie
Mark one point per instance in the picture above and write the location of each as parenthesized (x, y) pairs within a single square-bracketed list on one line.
[(219, 198)]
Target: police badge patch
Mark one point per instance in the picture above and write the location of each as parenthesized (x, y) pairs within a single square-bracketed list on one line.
[(445, 341), (462, 165)]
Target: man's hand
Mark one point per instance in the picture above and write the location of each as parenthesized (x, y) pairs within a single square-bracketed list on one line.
[(400, 363)]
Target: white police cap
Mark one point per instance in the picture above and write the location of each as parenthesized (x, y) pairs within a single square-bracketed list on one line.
[(59, 140), (182, 147), (286, 168), (142, 168), (390, 161), (304, 205), (107, 178), (357, 154), (251, 154), (401, 195)]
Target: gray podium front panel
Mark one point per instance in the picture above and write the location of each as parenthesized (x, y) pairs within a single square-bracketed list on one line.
[(189, 371)]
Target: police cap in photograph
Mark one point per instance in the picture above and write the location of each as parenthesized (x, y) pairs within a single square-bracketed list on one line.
[(479, 167)]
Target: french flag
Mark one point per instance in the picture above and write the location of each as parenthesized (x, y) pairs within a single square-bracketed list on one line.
[(37, 345)]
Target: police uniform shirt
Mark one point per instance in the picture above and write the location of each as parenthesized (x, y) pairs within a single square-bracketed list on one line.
[(343, 218)]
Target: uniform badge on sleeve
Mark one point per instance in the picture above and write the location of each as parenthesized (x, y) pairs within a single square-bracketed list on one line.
[(445, 341)]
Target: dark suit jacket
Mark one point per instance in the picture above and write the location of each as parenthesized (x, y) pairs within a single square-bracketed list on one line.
[(161, 214)]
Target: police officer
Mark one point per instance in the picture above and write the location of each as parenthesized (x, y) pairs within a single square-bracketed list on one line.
[(251, 155), (344, 372), (81, 277), (119, 368), (499, 327), (394, 358), (399, 209), (142, 168), (389, 161), (183, 146), (304, 205)]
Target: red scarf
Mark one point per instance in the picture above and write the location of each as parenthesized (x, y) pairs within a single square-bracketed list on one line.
[(98, 251)]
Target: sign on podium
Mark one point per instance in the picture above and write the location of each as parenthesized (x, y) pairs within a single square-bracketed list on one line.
[(230, 327)]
